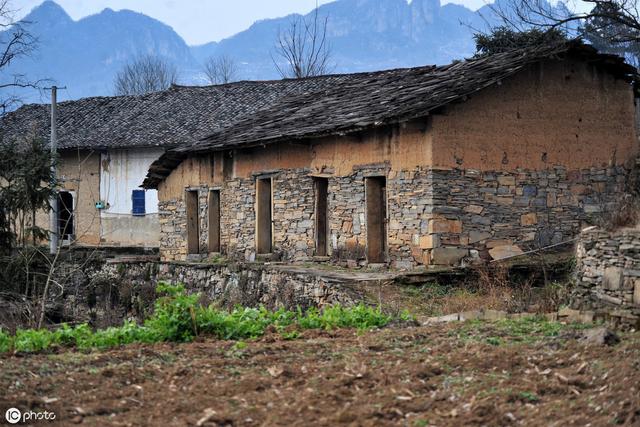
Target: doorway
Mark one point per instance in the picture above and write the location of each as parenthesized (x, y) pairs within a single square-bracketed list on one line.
[(65, 216), (322, 222), (214, 221), (263, 216), (376, 216), (193, 226)]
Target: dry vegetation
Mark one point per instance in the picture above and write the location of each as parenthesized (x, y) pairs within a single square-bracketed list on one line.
[(494, 288)]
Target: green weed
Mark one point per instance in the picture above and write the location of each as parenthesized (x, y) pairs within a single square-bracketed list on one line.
[(178, 317)]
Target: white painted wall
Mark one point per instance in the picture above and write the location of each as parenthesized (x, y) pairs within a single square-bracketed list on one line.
[(121, 172)]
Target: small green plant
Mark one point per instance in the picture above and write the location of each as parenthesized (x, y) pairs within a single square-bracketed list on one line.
[(528, 396), (495, 341), (174, 317), (5, 342), (290, 335), (30, 340)]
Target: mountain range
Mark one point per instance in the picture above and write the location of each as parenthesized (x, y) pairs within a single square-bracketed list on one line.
[(85, 55)]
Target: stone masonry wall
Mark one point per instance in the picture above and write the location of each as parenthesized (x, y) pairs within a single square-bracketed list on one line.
[(502, 213), (106, 293), (434, 216), (173, 229), (293, 214), (608, 274), (231, 284)]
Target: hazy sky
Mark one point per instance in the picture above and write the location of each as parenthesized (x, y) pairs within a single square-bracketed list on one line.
[(198, 21)]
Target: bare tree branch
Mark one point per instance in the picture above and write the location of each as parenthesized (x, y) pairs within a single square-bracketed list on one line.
[(525, 14), (145, 74), (15, 42), (220, 70), (304, 48)]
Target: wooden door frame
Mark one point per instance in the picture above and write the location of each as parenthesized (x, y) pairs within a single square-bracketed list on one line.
[(385, 238), (321, 252), (257, 213), (189, 192), (218, 224)]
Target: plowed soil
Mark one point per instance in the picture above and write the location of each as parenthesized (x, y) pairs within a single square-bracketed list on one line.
[(457, 374)]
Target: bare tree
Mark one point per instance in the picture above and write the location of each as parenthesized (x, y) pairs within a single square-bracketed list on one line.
[(145, 74), (220, 69), (614, 24), (304, 48), (15, 42)]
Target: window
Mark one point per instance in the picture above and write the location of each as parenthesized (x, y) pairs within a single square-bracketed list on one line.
[(65, 216), (137, 200)]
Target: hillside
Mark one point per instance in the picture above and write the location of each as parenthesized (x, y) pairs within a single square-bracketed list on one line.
[(85, 55)]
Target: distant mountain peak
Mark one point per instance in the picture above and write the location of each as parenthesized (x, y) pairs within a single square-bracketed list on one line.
[(49, 12)]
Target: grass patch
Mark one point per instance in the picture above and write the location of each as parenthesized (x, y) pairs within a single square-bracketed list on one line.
[(178, 317), (526, 329)]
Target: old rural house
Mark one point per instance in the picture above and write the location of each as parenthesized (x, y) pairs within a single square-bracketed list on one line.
[(428, 165), (107, 144)]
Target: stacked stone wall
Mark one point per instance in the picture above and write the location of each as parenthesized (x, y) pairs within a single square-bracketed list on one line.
[(293, 214), (608, 274), (434, 216), (173, 229), (229, 284), (503, 213)]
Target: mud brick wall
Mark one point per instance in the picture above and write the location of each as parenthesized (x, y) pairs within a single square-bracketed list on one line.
[(608, 274)]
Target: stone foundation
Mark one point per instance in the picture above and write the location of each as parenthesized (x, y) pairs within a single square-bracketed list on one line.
[(434, 216), (608, 274)]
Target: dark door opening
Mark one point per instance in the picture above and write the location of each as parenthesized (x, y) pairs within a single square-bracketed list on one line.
[(193, 228), (375, 194), (214, 221), (322, 223), (263, 215), (65, 216)]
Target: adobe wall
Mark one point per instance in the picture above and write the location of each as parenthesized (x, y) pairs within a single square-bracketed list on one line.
[(79, 172), (608, 274), (556, 113)]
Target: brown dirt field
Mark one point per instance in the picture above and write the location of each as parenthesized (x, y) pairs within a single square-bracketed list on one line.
[(457, 374)]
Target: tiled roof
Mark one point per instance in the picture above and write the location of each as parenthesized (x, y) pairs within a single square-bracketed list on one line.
[(179, 115), (366, 100)]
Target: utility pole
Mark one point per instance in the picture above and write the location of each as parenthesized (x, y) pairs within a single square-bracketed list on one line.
[(53, 214)]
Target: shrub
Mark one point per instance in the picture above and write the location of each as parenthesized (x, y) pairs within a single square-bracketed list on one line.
[(624, 213)]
